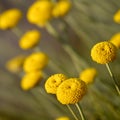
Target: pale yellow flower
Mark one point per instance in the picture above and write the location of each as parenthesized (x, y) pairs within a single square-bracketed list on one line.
[(15, 64), (40, 12), (63, 118), (115, 39), (30, 39), (88, 75), (35, 61), (61, 8), (103, 52), (71, 91), (10, 18), (31, 79), (53, 82), (116, 17)]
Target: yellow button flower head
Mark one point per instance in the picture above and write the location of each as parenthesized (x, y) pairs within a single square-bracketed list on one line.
[(53, 82), (116, 40), (88, 75), (15, 64), (61, 8), (63, 118), (103, 52), (71, 91), (30, 39), (40, 12), (10, 18), (31, 79), (116, 17), (35, 61)]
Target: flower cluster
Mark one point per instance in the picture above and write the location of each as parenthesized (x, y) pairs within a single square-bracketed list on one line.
[(40, 12), (67, 90)]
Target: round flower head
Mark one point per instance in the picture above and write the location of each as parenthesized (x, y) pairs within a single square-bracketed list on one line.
[(71, 91), (35, 61), (63, 118), (103, 52), (30, 39), (61, 8), (15, 64), (116, 17), (88, 75), (116, 40), (40, 12), (10, 18), (53, 82), (30, 80)]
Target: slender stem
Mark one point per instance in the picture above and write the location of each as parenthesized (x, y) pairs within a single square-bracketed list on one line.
[(76, 118), (113, 77), (80, 111)]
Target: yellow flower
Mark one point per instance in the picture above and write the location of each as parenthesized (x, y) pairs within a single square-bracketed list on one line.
[(35, 61), (40, 12), (15, 64), (71, 91), (61, 8), (88, 75), (31, 79), (116, 40), (53, 82), (63, 118), (10, 18), (103, 52), (30, 39), (116, 17)]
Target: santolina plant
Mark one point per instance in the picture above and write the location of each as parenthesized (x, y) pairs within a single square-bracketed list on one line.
[(65, 85)]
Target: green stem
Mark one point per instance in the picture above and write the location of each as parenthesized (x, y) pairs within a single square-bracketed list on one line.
[(72, 112), (113, 78), (80, 111)]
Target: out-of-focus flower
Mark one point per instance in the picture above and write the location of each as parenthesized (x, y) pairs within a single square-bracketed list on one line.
[(53, 82), (35, 61), (63, 118), (71, 91), (15, 64), (104, 52), (30, 39), (116, 17), (61, 8), (10, 18), (115, 39), (40, 12), (31, 79), (88, 75)]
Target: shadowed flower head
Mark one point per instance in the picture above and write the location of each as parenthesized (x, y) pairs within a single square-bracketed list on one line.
[(103, 52), (10, 18), (115, 39), (61, 8), (116, 17), (31, 79), (15, 64), (71, 91), (40, 12), (35, 61), (63, 118), (53, 82), (30, 39), (88, 75)]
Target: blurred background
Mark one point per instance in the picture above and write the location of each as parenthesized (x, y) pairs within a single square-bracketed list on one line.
[(88, 22)]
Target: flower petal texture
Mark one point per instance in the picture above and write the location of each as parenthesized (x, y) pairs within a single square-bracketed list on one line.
[(53, 82), (71, 91), (63, 118), (103, 52)]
